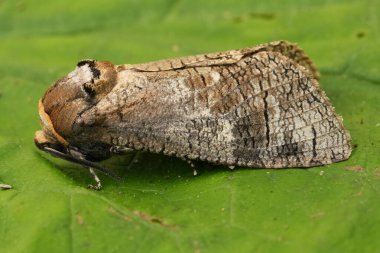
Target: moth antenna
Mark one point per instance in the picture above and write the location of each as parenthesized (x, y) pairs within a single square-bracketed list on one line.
[(82, 162)]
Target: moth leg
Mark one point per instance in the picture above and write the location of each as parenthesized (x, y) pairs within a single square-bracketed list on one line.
[(74, 156), (120, 150), (195, 172), (134, 160), (98, 185)]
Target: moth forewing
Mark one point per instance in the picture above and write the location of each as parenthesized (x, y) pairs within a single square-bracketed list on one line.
[(255, 107)]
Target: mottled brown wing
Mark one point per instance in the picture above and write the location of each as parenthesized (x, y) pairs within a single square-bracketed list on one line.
[(257, 109), (280, 115), (290, 50)]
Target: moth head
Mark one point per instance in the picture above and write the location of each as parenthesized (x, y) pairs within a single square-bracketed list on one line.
[(70, 96)]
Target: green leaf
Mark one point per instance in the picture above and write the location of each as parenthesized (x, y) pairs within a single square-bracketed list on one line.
[(161, 206)]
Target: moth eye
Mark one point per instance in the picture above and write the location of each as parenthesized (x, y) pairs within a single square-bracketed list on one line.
[(89, 88)]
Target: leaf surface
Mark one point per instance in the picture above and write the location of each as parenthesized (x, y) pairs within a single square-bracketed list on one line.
[(160, 206)]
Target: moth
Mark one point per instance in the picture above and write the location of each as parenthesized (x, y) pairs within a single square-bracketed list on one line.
[(256, 107)]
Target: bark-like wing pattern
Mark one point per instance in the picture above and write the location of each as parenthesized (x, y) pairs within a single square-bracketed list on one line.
[(257, 107)]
